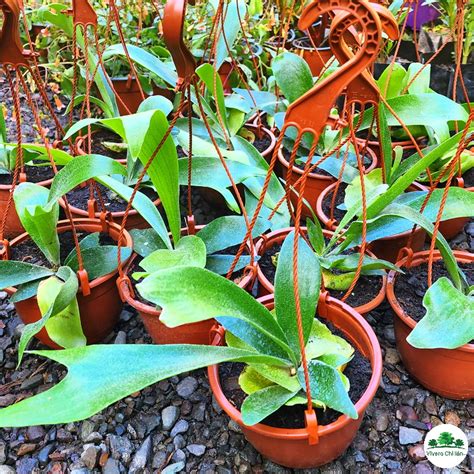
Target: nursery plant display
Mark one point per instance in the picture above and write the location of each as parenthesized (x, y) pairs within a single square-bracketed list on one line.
[(236, 235)]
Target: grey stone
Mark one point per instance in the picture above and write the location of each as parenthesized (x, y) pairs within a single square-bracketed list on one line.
[(35, 433), (381, 421), (26, 465), (112, 466), (89, 456), (187, 387), (181, 427), (120, 447), (7, 470), (80, 470), (87, 428), (172, 468), (94, 437), (18, 330), (196, 449), (159, 459), (409, 435), (199, 411), (43, 455), (121, 338), (3, 295), (179, 456), (141, 458), (179, 441), (423, 468), (3, 452), (126, 315), (32, 382)]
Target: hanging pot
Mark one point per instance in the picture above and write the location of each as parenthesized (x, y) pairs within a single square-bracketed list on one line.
[(315, 183), (447, 372), (387, 248), (100, 309), (290, 447), (265, 287), (129, 92), (316, 58), (13, 226), (195, 333)]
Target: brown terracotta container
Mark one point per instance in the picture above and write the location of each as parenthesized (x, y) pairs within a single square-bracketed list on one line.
[(290, 447), (195, 333), (127, 89), (387, 248), (13, 225), (316, 183), (265, 287), (316, 59), (447, 372), (99, 310)]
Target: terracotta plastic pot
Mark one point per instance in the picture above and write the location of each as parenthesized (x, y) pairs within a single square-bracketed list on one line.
[(100, 309), (13, 225), (290, 447), (387, 248), (128, 91), (268, 152), (195, 333), (407, 145), (316, 183), (447, 372), (316, 58), (225, 74), (265, 287)]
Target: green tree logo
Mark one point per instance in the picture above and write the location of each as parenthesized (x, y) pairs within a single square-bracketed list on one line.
[(459, 443), (446, 439), (432, 443), (445, 446)]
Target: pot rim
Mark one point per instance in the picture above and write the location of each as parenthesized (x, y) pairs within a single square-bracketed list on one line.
[(128, 297), (368, 151), (82, 152), (268, 239), (302, 433), (65, 225), (273, 141), (417, 259), (297, 44), (322, 216), (8, 187)]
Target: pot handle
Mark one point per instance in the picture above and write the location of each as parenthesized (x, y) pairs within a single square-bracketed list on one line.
[(407, 254)]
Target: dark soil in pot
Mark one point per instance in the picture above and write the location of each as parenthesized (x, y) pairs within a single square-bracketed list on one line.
[(411, 286), (112, 202), (366, 289), (204, 212), (34, 174), (469, 178), (28, 251), (338, 214), (358, 372), (98, 147), (262, 144)]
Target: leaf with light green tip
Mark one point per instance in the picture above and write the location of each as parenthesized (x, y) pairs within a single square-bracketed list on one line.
[(13, 273), (55, 300), (292, 75), (190, 251), (37, 219), (142, 204), (146, 241), (227, 231), (449, 319), (391, 80), (323, 342), (188, 295), (100, 375), (100, 261), (79, 170), (64, 327), (259, 405), (280, 375), (156, 102), (252, 335), (25, 291), (350, 262), (251, 381), (418, 78), (309, 284), (328, 387)]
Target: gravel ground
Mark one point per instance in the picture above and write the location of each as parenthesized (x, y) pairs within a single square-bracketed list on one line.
[(176, 426)]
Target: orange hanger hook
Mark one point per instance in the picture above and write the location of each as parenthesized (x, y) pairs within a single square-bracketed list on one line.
[(173, 28), (311, 111), (363, 89), (11, 49)]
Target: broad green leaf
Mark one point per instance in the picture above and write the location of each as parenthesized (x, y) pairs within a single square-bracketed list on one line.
[(322, 342), (37, 219), (221, 264), (55, 298), (259, 405), (146, 241), (316, 236), (420, 85), (190, 251), (100, 375), (385, 141), (145, 59), (227, 231), (309, 284), (100, 261), (79, 170), (156, 102), (13, 273), (25, 291), (327, 387), (192, 294), (292, 74), (449, 319), (251, 381), (63, 327), (350, 262), (284, 376), (372, 181), (89, 241), (391, 81)]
